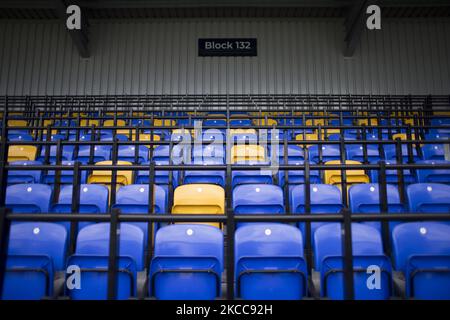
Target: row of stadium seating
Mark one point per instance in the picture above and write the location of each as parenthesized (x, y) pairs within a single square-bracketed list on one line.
[(179, 260), (265, 176), (246, 199), (188, 262), (253, 152)]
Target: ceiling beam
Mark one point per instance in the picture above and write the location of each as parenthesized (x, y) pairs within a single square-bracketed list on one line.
[(46, 4)]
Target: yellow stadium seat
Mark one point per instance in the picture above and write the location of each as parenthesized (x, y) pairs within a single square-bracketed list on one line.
[(442, 113), (240, 153), (82, 114), (263, 122), (353, 176), (21, 153), (48, 122), (89, 123), (329, 132), (110, 123), (17, 123), (409, 121), (124, 177), (309, 137), (164, 123), (365, 122), (145, 137), (199, 199), (126, 132), (315, 122), (112, 114)]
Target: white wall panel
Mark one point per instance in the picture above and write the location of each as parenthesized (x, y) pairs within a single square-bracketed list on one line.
[(160, 56)]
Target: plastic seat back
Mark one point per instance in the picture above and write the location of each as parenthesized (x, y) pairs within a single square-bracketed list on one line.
[(364, 198), (28, 198), (187, 263), (433, 175), (124, 177), (36, 250), (367, 252), (269, 262), (353, 176), (92, 253), (429, 197), (133, 199), (325, 199), (24, 176), (21, 153), (199, 199), (421, 251)]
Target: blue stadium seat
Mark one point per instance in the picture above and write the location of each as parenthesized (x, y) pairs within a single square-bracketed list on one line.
[(28, 198), (437, 135), (127, 153), (36, 252), (24, 176), (258, 199), (421, 250), (18, 135), (367, 252), (215, 122), (347, 136), (161, 157), (240, 122), (294, 153), (66, 176), (269, 263), (133, 199), (94, 198), (433, 175), (92, 254), (356, 153), (202, 176), (213, 151), (392, 176), (179, 250), (101, 153), (67, 153), (213, 135), (330, 152), (390, 155), (337, 122), (140, 122), (441, 121), (364, 198), (239, 177), (298, 176), (433, 152), (429, 197), (325, 199)]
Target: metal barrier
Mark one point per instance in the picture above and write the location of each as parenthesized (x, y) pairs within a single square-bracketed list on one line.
[(38, 109)]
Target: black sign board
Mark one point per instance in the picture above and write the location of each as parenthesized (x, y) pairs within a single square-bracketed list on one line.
[(227, 47)]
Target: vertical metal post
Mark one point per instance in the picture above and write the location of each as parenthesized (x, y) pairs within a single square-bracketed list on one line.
[(113, 253), (384, 208), (347, 252), (151, 190), (308, 232), (74, 206), (230, 215)]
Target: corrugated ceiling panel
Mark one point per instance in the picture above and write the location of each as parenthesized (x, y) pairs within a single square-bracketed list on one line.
[(160, 56)]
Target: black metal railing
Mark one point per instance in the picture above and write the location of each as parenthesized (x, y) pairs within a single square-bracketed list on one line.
[(38, 109)]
